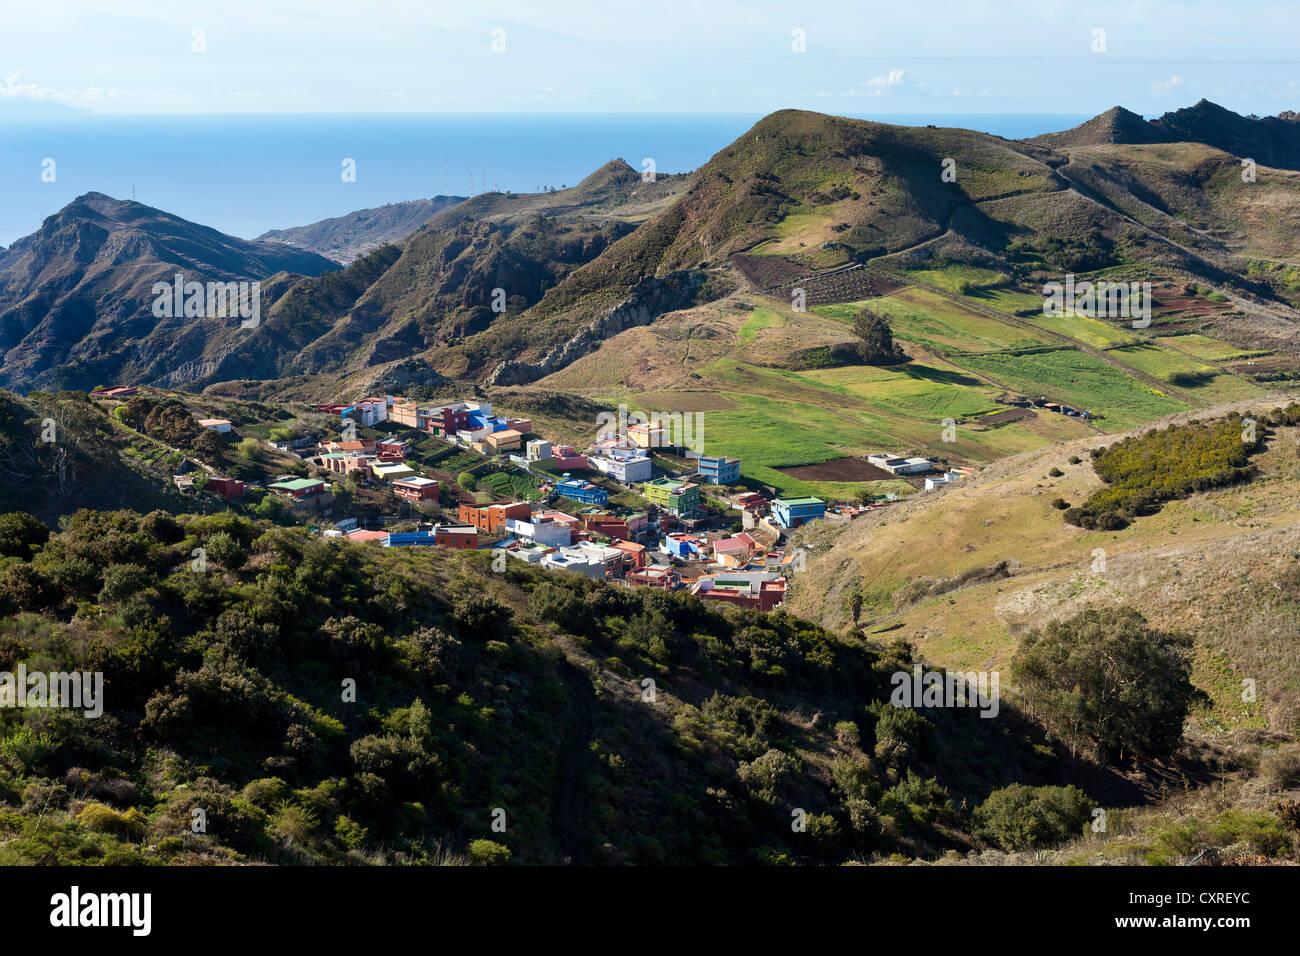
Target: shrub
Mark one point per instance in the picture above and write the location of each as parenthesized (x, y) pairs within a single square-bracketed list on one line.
[(1060, 504), (294, 825), (21, 535), (225, 550), (1022, 818), (1143, 471), (104, 819), (488, 853), (901, 733), (266, 793), (352, 834), (1055, 473), (855, 778), (916, 800), (122, 582)]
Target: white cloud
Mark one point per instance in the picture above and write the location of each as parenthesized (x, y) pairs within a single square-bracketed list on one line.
[(1165, 87), (896, 79), (84, 97)]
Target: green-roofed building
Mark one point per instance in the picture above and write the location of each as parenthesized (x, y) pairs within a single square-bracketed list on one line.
[(793, 512), (672, 494), (298, 487)]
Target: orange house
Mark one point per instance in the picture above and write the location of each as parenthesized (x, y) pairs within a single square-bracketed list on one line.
[(491, 519), (456, 537)]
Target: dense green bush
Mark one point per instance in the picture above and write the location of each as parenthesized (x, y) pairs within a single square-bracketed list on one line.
[(1023, 818), (1145, 470)]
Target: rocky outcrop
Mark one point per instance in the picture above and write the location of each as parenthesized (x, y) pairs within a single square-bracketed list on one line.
[(402, 376), (650, 298)]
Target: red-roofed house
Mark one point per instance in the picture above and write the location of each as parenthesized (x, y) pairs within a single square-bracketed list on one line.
[(416, 488)]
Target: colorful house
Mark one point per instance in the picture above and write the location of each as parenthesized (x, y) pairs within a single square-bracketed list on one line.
[(228, 488), (405, 539), (655, 576), (505, 440), (648, 435), (634, 555), (393, 449), (734, 552), (795, 512), (684, 546), (719, 471), (584, 491), (760, 590), (568, 459), (298, 488), (456, 537), (491, 519), (362, 446), (542, 530), (748, 501), (417, 488), (672, 494), (391, 470), (368, 412)]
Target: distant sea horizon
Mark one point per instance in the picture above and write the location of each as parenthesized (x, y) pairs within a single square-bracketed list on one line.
[(244, 174)]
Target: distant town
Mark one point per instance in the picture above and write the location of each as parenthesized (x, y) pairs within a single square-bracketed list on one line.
[(610, 511)]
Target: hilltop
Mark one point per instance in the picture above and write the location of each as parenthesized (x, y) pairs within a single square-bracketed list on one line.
[(76, 296), (347, 238)]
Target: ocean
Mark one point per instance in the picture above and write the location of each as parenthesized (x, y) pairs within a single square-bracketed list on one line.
[(245, 174)]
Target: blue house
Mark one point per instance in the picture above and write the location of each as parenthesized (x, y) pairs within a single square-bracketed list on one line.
[(682, 545), (408, 538), (717, 470), (794, 512), (584, 491)]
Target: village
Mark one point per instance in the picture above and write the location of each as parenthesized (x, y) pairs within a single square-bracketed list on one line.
[(458, 476)]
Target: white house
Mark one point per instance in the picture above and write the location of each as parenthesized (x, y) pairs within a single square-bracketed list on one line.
[(624, 468), (901, 466), (936, 481), (215, 424), (541, 530)]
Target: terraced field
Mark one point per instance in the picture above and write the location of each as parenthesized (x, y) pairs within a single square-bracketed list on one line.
[(1081, 380), (747, 366), (916, 315)]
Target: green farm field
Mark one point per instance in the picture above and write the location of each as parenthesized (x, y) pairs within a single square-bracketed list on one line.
[(1082, 381), (922, 317)]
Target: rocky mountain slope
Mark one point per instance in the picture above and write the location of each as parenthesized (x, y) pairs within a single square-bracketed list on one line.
[(346, 238), (76, 296), (801, 200)]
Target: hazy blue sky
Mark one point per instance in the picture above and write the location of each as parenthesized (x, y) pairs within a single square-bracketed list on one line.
[(859, 56)]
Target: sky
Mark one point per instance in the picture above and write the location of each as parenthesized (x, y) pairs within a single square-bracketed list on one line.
[(851, 57)]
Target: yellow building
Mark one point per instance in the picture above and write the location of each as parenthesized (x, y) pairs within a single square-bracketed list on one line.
[(507, 440)]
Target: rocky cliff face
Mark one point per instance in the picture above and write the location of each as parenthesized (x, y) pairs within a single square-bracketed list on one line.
[(76, 296), (650, 298)]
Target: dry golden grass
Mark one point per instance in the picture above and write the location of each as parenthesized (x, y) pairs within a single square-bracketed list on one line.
[(1205, 564)]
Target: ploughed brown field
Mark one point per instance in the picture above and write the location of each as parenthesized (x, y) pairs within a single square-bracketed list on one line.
[(839, 469), (1001, 418)]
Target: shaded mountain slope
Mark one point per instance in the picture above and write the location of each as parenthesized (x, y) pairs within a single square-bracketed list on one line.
[(76, 296), (347, 238)]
